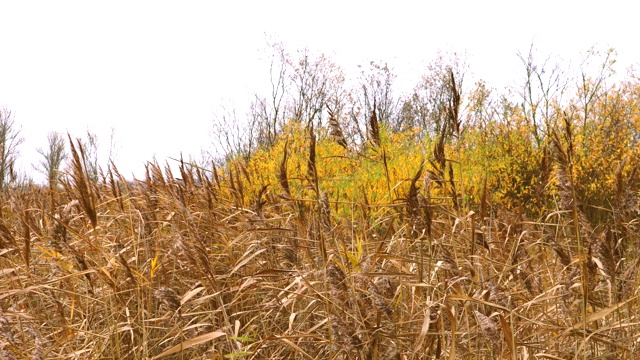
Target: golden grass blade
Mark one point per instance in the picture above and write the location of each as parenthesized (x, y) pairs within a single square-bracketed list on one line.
[(547, 356), (5, 272), (292, 317), (479, 301), (191, 294), (296, 347), (508, 336), (424, 330), (598, 315), (245, 259), (200, 339)]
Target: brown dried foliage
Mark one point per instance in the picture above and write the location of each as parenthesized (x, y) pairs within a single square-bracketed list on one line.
[(172, 264)]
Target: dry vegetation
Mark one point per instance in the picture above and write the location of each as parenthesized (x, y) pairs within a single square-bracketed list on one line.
[(479, 242)]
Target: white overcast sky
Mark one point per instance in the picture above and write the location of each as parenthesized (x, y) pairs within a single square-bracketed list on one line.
[(155, 72)]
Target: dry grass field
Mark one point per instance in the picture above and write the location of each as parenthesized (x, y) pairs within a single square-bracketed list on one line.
[(471, 244)]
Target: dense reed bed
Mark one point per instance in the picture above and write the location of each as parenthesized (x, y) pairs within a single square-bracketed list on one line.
[(209, 263), (495, 236)]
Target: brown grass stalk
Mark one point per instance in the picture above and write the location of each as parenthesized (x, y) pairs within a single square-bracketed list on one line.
[(80, 182)]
